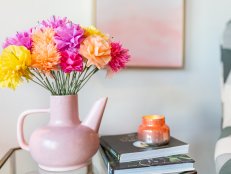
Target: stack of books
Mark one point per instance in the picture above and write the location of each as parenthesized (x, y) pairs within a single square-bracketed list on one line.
[(123, 154)]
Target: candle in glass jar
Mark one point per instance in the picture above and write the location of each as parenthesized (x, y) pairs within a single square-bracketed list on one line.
[(153, 130)]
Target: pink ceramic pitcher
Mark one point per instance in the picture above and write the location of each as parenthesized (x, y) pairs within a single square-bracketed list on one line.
[(65, 143)]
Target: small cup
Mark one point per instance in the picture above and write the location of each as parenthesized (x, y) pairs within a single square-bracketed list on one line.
[(153, 130)]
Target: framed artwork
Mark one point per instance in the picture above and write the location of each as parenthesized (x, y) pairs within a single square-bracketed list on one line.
[(153, 30)]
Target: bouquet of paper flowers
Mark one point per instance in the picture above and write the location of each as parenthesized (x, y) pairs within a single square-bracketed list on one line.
[(59, 55)]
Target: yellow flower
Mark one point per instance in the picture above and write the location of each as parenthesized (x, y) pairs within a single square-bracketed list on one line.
[(45, 55), (96, 50), (14, 62), (91, 30)]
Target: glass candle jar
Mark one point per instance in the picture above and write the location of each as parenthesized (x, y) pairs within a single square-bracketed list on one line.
[(153, 130)]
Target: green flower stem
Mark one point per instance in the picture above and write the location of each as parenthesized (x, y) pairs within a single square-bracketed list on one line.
[(66, 82), (45, 79), (56, 82), (69, 83), (60, 83), (76, 82), (72, 81), (86, 79), (53, 85), (82, 81), (84, 74), (52, 90), (40, 81), (39, 84), (63, 83)]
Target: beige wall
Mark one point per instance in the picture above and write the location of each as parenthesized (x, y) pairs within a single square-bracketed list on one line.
[(189, 97)]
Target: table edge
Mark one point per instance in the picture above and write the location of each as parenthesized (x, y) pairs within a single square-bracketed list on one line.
[(12, 150), (7, 155)]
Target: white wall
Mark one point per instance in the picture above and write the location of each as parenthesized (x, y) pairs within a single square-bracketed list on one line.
[(188, 97)]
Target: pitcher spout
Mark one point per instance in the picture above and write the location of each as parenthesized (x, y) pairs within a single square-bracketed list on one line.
[(94, 117)]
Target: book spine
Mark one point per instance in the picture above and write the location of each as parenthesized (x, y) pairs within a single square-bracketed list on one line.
[(189, 172), (109, 169), (106, 161), (108, 147)]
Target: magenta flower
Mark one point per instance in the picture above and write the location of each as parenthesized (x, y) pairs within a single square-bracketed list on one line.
[(68, 37), (55, 22), (67, 34), (20, 39), (119, 56), (71, 61)]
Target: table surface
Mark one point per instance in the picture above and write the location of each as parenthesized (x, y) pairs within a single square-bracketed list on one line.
[(18, 161)]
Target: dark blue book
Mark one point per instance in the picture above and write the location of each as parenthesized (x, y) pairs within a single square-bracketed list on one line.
[(127, 147)]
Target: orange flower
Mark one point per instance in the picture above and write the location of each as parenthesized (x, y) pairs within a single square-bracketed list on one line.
[(45, 56), (96, 50)]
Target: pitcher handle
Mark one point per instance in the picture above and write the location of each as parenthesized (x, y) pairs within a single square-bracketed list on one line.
[(20, 135)]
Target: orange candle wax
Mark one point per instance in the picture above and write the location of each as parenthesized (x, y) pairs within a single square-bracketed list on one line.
[(153, 130)]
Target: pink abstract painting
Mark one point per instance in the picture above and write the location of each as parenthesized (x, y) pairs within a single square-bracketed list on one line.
[(151, 29)]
